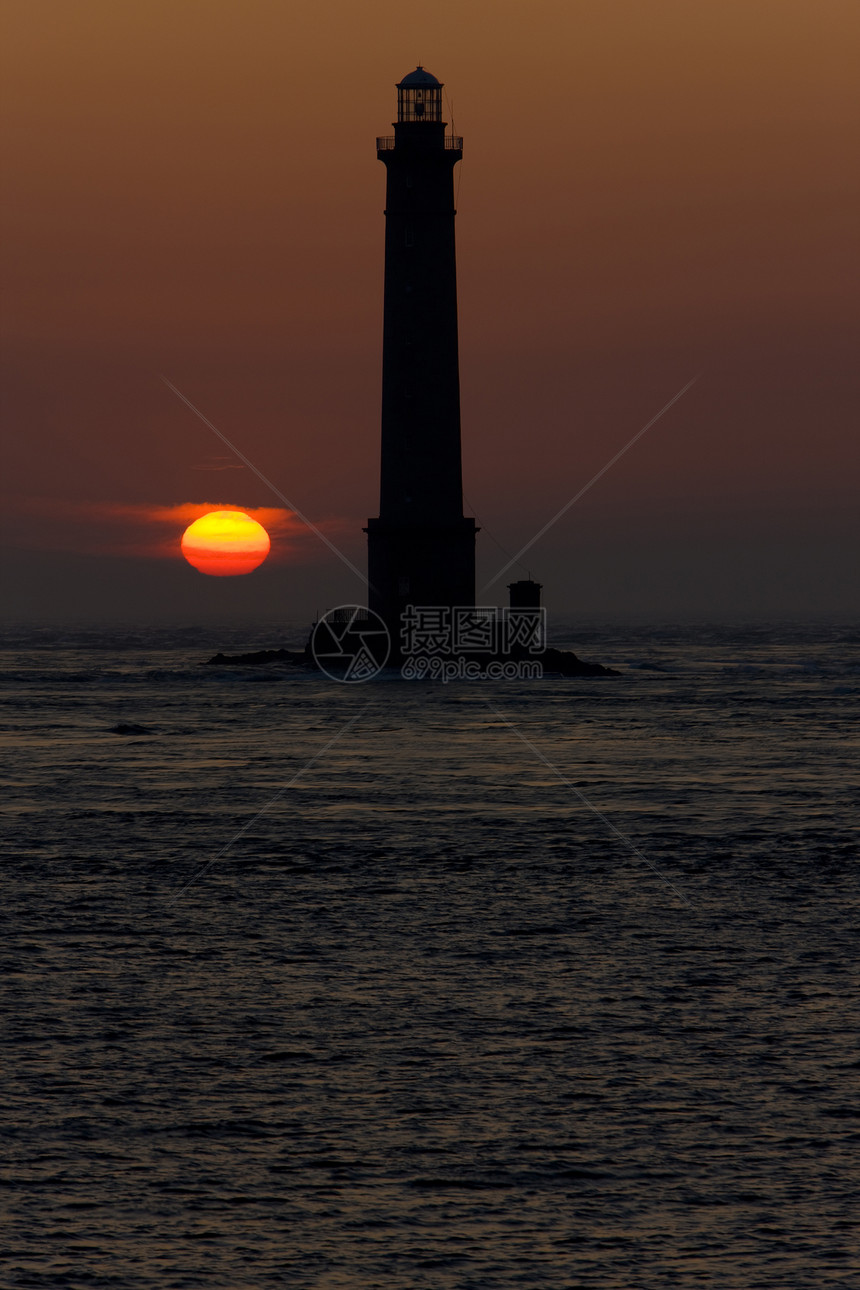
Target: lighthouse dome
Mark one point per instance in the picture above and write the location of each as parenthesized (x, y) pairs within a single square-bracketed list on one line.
[(419, 79)]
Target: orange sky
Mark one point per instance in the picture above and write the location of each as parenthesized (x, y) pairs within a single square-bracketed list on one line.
[(648, 191)]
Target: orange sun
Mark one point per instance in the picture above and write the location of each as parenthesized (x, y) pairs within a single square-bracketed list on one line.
[(225, 543)]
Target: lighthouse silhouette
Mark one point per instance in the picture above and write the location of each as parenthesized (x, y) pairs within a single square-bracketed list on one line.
[(421, 548)]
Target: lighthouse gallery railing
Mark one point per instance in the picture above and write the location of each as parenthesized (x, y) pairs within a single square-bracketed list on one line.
[(385, 142)]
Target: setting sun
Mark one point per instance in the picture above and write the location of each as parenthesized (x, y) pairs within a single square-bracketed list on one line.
[(225, 543)]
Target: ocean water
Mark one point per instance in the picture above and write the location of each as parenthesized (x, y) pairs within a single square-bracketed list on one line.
[(479, 985)]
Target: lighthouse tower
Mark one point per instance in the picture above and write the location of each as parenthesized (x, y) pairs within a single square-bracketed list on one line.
[(421, 548)]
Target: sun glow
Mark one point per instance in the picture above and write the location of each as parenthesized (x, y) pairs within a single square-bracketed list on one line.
[(225, 543)]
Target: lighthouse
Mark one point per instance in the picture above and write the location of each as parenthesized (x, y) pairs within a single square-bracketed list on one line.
[(421, 548)]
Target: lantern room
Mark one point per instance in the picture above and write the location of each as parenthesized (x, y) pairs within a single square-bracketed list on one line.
[(419, 97)]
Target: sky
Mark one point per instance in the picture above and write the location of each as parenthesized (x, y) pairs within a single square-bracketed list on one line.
[(649, 192)]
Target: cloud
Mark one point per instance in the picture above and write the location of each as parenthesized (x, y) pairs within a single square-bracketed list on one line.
[(149, 530), (219, 462)]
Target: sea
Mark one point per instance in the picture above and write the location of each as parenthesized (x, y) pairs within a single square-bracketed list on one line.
[(407, 984)]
